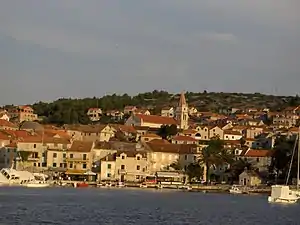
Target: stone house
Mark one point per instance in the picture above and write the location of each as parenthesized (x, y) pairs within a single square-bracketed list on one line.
[(249, 178)]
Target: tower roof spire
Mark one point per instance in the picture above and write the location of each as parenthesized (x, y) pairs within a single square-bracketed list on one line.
[(182, 100)]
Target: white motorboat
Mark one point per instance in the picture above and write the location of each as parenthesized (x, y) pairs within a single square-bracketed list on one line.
[(39, 181), (282, 194), (37, 184), (236, 189), (12, 177)]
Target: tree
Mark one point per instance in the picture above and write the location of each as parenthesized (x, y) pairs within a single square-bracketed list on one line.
[(237, 167), (281, 158), (166, 131), (215, 155), (176, 165), (194, 171)]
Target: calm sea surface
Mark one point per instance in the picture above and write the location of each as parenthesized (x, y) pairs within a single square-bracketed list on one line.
[(134, 206)]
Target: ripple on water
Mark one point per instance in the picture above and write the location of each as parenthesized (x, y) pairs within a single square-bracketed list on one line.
[(134, 206)]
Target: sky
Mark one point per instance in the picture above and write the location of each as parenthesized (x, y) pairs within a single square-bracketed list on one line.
[(74, 48)]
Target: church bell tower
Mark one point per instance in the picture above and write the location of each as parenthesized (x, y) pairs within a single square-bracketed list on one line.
[(182, 113)]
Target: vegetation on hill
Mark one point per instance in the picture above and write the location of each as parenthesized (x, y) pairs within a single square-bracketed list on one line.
[(66, 111)]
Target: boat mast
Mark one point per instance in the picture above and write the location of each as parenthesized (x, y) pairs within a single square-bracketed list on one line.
[(298, 161)]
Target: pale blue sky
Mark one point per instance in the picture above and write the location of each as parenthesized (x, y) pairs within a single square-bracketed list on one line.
[(76, 48)]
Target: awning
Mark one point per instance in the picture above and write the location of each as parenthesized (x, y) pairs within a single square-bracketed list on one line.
[(75, 172), (90, 173)]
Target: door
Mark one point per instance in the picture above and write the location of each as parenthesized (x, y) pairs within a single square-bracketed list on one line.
[(122, 178)]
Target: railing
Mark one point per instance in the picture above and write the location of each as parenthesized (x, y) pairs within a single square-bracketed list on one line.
[(77, 159), (122, 171)]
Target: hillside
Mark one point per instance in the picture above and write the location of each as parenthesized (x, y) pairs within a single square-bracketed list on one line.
[(64, 111)]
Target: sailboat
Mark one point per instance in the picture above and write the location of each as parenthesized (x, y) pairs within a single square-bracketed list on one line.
[(283, 193)]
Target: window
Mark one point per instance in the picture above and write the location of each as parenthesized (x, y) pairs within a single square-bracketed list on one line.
[(185, 157), (84, 156), (71, 165), (108, 166), (108, 175), (195, 158), (122, 167), (84, 166), (64, 155), (257, 160), (226, 137), (137, 177), (61, 165), (54, 155), (34, 164), (146, 139), (39, 164), (71, 156), (138, 167), (34, 146), (44, 164), (54, 165)]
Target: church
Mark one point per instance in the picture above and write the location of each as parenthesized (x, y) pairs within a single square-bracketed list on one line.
[(180, 119)]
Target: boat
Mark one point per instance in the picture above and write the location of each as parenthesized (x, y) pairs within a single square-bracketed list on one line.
[(143, 185), (39, 181), (283, 193), (236, 189), (120, 184), (81, 185), (12, 177)]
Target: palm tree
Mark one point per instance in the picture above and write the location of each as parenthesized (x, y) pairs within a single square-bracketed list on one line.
[(215, 155)]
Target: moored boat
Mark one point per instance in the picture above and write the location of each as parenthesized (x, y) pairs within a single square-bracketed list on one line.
[(236, 189), (282, 194)]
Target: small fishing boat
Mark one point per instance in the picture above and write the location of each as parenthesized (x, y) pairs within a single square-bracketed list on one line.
[(143, 185), (236, 189), (81, 185)]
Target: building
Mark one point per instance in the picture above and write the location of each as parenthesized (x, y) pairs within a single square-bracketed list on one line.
[(249, 178), (152, 121), (4, 115), (6, 125), (79, 158), (182, 113), (168, 111), (23, 113), (131, 166), (232, 135), (93, 133), (94, 114)]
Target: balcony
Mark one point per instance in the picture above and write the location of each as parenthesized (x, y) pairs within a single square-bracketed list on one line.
[(33, 159), (122, 171), (77, 159)]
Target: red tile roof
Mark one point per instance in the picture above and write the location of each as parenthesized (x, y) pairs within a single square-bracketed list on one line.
[(5, 123), (232, 132), (4, 136), (258, 153), (81, 146), (183, 138), (156, 119)]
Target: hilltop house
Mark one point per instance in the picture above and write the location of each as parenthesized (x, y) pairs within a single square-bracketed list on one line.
[(94, 114), (23, 113)]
